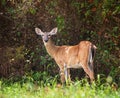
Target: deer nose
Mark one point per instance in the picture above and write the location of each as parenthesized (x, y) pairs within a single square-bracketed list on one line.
[(46, 40)]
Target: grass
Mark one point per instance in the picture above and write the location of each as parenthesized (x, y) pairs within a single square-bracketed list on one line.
[(79, 89)]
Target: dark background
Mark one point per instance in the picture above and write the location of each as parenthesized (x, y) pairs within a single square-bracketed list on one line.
[(22, 52)]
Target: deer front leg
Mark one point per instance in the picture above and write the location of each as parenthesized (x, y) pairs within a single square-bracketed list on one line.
[(67, 74), (69, 78), (62, 76)]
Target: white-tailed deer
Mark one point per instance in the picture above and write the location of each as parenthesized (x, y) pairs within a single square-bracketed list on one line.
[(66, 57)]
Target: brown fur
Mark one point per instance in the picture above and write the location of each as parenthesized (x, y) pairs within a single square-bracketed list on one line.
[(73, 56)]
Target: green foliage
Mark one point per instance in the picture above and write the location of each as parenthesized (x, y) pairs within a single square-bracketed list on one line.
[(32, 11), (78, 89), (3, 2), (60, 22), (50, 7)]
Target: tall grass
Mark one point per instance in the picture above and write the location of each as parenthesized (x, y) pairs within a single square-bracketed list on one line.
[(78, 89)]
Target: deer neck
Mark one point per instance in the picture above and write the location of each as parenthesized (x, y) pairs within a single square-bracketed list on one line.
[(51, 48)]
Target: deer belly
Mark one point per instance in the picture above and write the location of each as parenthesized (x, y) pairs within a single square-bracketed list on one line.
[(74, 63), (77, 65)]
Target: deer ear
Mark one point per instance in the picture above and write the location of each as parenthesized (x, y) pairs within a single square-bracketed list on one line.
[(38, 31), (54, 31)]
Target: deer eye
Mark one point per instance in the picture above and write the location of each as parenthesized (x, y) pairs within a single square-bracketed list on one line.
[(48, 35)]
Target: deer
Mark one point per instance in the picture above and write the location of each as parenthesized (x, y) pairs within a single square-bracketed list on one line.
[(67, 57)]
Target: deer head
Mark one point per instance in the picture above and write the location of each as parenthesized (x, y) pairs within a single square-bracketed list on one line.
[(46, 35)]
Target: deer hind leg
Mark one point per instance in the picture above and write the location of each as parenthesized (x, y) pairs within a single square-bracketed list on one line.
[(89, 72), (91, 75), (90, 64)]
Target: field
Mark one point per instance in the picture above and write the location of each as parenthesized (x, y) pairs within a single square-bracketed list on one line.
[(78, 89)]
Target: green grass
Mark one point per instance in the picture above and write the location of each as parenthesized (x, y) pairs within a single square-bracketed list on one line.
[(79, 89)]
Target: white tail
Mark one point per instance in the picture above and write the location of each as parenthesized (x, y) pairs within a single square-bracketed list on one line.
[(78, 56)]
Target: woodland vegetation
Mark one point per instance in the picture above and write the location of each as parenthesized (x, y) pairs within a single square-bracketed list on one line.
[(23, 57)]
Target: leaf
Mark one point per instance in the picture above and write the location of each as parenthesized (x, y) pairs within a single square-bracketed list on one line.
[(93, 9), (3, 2), (99, 33), (90, 1), (32, 11)]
